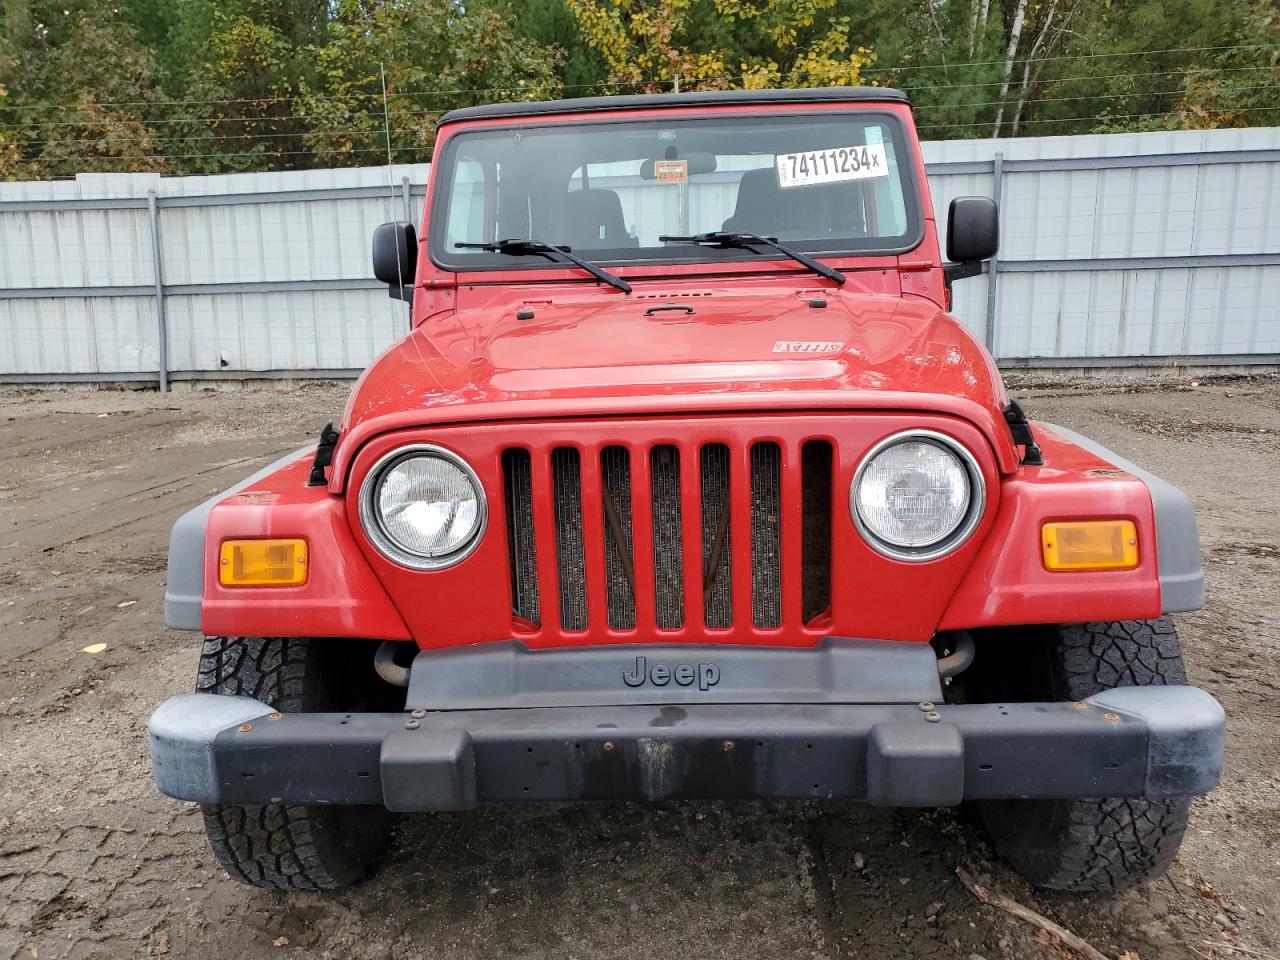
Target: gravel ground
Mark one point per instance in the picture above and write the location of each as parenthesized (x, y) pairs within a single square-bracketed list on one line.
[(94, 863)]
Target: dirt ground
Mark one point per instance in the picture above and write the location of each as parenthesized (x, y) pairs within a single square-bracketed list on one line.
[(93, 862)]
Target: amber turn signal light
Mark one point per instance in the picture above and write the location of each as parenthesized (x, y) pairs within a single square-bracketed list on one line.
[(1090, 545), (263, 563)]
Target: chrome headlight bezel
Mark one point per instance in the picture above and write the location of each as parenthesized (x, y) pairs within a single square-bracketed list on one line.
[(371, 518), (951, 540)]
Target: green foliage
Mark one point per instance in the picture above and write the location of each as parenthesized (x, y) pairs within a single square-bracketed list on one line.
[(208, 86), (949, 62), (550, 24), (63, 112), (647, 44), (437, 57), (1237, 88), (1232, 80)]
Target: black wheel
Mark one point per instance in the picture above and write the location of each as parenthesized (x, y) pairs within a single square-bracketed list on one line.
[(294, 846), (1101, 844)]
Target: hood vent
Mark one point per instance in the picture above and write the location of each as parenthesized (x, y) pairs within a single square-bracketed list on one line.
[(680, 295)]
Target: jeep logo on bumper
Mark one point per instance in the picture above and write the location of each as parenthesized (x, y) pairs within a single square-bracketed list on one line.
[(707, 675)]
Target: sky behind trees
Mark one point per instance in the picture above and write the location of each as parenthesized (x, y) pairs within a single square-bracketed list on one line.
[(213, 86)]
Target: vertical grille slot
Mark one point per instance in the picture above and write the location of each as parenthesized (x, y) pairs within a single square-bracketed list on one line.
[(620, 577), (766, 535), (815, 507), (571, 568), (717, 548), (522, 551), (668, 550)]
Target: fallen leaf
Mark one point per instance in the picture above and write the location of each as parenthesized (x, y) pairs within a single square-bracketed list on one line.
[(1129, 955), (162, 943), (127, 603), (280, 942), (94, 648)]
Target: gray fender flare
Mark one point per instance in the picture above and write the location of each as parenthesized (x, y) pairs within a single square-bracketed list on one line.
[(1177, 542), (184, 585)]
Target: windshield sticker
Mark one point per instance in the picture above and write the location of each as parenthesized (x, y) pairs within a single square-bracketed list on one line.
[(875, 134), (832, 166), (671, 171), (808, 346)]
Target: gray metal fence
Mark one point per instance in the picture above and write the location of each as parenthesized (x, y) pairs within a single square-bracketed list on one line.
[(1121, 250), (1124, 249), (142, 278)]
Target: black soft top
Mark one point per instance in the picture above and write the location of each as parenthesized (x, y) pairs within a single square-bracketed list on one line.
[(702, 99)]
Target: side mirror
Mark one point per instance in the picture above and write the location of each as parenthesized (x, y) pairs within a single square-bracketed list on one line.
[(395, 258), (973, 235)]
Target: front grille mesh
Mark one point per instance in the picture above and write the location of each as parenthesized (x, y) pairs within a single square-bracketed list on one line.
[(521, 548), (717, 584), (670, 565), (615, 472), (668, 538), (766, 535), (815, 542), (571, 565)]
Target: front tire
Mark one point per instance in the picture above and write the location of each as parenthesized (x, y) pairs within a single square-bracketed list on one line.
[(294, 847), (1105, 844)]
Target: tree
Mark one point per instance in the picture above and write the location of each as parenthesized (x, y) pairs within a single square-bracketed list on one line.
[(10, 154), (240, 113), (722, 43), (63, 114), (552, 26), (207, 86), (436, 56), (1149, 64), (948, 57), (1237, 87)]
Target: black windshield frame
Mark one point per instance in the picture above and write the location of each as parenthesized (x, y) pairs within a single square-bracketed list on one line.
[(452, 262)]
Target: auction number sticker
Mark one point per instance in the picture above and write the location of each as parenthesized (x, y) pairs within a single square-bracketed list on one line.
[(832, 166)]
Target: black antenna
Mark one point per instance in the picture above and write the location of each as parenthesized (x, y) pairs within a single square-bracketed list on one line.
[(391, 172)]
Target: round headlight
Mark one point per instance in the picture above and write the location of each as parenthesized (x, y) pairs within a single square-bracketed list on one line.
[(917, 495), (423, 507)]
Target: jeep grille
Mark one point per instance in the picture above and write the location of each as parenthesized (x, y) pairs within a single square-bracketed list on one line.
[(683, 496)]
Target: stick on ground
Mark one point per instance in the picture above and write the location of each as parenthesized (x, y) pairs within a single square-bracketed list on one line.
[(1238, 949), (1062, 934)]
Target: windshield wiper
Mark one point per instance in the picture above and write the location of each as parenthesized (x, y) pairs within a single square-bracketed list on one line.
[(520, 248), (723, 238)]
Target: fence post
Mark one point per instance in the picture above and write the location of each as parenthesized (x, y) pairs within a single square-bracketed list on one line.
[(162, 325), (408, 203), (993, 265)]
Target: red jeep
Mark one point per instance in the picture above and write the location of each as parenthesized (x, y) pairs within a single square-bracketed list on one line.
[(686, 485)]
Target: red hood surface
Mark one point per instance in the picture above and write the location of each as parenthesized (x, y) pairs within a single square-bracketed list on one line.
[(761, 349)]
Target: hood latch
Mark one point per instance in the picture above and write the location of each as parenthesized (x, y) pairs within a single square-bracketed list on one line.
[(1022, 435), (324, 455)]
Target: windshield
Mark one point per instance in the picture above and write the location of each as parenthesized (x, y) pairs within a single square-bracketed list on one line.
[(828, 184)]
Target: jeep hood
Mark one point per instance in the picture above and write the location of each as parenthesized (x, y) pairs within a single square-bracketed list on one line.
[(720, 352)]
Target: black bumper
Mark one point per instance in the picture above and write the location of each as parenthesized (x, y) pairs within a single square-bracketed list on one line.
[(1148, 741)]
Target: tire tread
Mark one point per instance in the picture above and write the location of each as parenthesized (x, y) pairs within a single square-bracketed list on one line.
[(1103, 844), (288, 847)]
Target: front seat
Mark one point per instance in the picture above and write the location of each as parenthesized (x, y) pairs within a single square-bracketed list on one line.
[(764, 209), (593, 219)]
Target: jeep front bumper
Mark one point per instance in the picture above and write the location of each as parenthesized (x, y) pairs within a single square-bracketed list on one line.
[(565, 744)]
